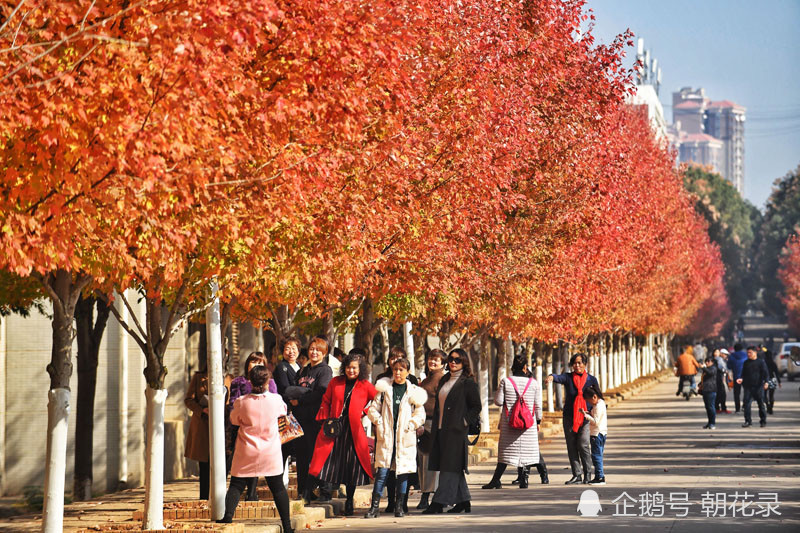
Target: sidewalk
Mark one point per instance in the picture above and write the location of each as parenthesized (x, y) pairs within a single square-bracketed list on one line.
[(655, 445)]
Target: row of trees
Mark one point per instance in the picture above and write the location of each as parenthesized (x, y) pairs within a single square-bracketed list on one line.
[(781, 222), (469, 167)]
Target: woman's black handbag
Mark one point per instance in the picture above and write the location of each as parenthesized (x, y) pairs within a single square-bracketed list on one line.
[(332, 427)]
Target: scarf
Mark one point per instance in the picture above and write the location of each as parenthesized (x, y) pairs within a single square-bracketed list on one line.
[(579, 380), (444, 391)]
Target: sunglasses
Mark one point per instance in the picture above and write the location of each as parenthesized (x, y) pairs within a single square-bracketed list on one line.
[(456, 360)]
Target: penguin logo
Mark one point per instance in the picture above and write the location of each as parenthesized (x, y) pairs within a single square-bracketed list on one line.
[(589, 504)]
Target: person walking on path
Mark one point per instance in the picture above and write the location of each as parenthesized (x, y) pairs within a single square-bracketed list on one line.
[(686, 366), (576, 427), (197, 447), (754, 381), (344, 459), (774, 378), (428, 479), (518, 446), (721, 358), (708, 388), (735, 363), (598, 431), (258, 446), (315, 378), (458, 405), (397, 411)]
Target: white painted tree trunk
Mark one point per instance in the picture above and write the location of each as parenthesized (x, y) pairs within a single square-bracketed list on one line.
[(154, 459), (603, 367), (216, 410), (122, 395), (56, 466), (483, 382), (408, 344), (612, 368), (551, 399)]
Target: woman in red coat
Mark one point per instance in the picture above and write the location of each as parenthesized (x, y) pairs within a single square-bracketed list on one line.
[(345, 459)]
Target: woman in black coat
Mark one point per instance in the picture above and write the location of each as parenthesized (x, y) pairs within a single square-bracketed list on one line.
[(458, 404)]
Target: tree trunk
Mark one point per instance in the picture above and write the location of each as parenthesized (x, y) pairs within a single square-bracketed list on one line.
[(408, 345), (90, 333), (420, 349), (154, 459), (64, 291), (330, 331), (483, 356), (365, 332), (216, 407)]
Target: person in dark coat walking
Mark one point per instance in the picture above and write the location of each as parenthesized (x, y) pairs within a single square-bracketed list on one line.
[(754, 381), (708, 388), (774, 378), (458, 405), (735, 362), (576, 427)]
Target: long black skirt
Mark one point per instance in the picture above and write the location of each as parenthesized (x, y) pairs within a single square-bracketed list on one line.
[(342, 466)]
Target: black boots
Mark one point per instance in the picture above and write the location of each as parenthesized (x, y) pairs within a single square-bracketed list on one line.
[(433, 508), (423, 501), (348, 507), (498, 473), (523, 484), (227, 519), (399, 507), (374, 511), (493, 484), (463, 507), (573, 480), (543, 473), (390, 495)]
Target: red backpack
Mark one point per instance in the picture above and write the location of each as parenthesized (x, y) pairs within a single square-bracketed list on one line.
[(520, 417)]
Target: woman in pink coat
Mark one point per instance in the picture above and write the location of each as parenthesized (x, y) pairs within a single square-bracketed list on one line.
[(258, 446)]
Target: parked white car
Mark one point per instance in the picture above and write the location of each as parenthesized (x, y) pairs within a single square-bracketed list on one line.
[(784, 361)]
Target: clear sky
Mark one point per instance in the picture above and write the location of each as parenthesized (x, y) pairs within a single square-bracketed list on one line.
[(741, 50)]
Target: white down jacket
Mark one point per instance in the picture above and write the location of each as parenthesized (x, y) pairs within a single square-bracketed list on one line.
[(410, 416)]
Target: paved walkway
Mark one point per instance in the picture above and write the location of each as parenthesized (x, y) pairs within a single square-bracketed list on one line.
[(656, 445)]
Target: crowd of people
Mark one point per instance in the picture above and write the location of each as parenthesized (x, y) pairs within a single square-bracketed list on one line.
[(395, 434), (750, 374)]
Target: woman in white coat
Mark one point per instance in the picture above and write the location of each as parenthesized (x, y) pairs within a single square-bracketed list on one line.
[(397, 411), (518, 447)]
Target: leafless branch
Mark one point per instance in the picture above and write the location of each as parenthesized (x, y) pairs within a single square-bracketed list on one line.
[(11, 16), (136, 337)]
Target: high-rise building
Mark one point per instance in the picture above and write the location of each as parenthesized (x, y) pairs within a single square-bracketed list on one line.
[(725, 121), (709, 133), (645, 95)]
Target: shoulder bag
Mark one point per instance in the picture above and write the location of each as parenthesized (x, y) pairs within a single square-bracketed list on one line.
[(332, 427)]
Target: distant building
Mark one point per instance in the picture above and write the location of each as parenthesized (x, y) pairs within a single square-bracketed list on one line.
[(645, 97), (709, 133)]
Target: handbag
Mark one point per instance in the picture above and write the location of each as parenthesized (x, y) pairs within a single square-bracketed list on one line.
[(332, 427), (289, 428)]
